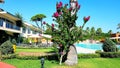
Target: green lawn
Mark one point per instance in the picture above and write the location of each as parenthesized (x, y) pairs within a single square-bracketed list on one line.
[(34, 50), (83, 63)]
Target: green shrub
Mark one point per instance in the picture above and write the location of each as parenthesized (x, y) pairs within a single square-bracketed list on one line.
[(98, 51), (88, 56), (110, 54), (9, 56), (7, 48), (48, 57), (109, 46)]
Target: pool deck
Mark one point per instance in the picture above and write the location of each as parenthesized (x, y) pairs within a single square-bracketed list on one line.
[(84, 50)]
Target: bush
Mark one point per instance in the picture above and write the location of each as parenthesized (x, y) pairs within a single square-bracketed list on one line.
[(10, 56), (48, 57), (7, 48), (98, 51), (88, 56), (109, 46), (110, 54)]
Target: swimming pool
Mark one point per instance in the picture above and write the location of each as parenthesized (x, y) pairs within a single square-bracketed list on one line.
[(91, 46)]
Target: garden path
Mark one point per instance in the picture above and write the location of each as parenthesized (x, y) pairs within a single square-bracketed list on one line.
[(5, 65)]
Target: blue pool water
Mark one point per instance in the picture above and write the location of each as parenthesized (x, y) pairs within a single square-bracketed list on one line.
[(92, 46)]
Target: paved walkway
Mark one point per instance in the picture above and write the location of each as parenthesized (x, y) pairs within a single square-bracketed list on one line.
[(5, 65)]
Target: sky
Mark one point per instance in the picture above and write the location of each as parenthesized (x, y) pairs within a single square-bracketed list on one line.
[(104, 14)]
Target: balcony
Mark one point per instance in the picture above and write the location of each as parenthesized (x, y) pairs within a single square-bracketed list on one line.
[(7, 26), (11, 26)]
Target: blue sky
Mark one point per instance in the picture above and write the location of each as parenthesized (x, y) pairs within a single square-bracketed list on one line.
[(104, 14)]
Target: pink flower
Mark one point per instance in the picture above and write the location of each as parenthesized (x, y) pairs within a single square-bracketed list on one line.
[(56, 14), (80, 26), (70, 9), (53, 25), (86, 19), (77, 4), (59, 5), (44, 22), (60, 13), (78, 7)]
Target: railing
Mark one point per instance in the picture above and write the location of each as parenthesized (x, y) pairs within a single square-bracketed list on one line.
[(11, 26)]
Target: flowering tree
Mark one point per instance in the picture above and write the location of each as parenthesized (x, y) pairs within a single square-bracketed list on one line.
[(65, 32)]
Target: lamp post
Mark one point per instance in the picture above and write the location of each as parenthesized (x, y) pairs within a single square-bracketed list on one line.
[(42, 62)]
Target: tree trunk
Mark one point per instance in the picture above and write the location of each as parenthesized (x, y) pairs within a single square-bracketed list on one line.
[(72, 56)]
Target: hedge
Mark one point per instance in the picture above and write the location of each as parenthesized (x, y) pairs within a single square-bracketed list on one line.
[(110, 54), (88, 56)]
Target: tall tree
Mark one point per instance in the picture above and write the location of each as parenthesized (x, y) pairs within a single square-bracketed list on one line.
[(18, 15), (92, 32), (110, 32), (65, 32), (88, 30), (38, 17)]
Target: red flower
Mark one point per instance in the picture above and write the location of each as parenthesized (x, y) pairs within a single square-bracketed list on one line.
[(44, 22), (56, 14), (86, 19)]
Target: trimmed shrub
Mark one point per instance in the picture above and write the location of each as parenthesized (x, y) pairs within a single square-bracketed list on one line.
[(110, 54), (7, 48), (109, 46), (98, 51), (48, 57), (88, 56), (9, 56)]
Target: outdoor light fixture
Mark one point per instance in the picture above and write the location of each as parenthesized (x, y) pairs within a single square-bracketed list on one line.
[(42, 62)]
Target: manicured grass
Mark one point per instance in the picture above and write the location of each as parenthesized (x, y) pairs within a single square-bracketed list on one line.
[(83, 63), (34, 50)]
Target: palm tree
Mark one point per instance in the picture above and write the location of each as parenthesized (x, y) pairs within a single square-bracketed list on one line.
[(18, 15), (118, 26), (110, 32), (38, 17), (99, 31)]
